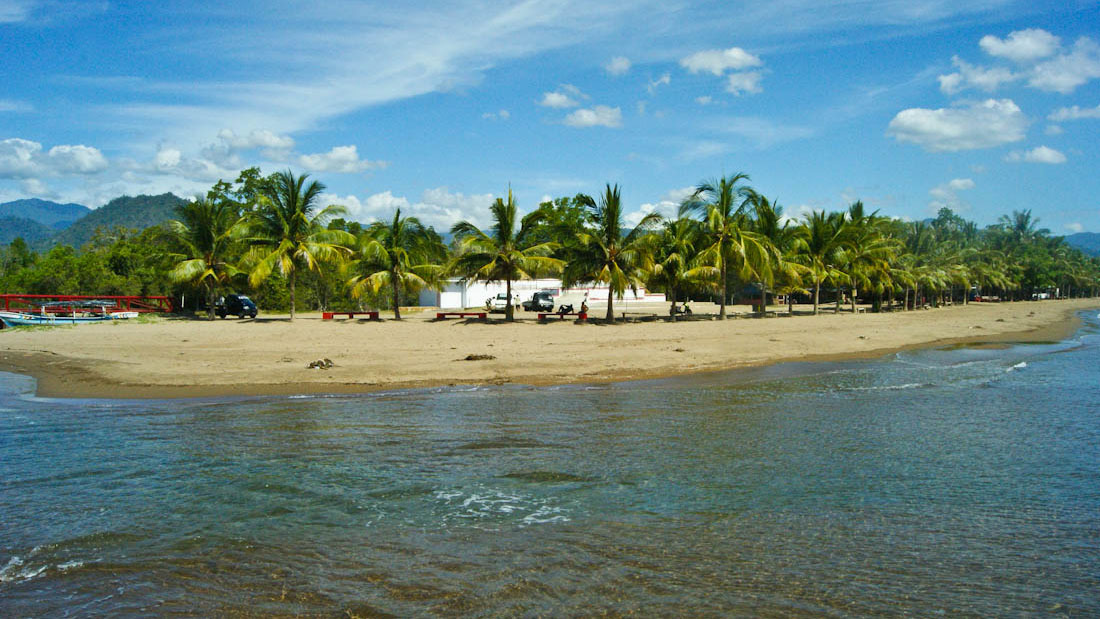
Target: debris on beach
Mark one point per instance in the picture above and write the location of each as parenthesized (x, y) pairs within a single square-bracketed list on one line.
[(320, 364), (478, 357)]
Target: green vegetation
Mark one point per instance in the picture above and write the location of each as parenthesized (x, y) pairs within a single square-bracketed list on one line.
[(269, 237)]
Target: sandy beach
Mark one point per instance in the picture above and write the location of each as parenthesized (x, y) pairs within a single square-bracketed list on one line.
[(178, 357)]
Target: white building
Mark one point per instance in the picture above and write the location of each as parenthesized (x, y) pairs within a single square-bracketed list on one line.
[(458, 294)]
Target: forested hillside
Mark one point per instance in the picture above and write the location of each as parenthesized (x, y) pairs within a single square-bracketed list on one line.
[(135, 213)]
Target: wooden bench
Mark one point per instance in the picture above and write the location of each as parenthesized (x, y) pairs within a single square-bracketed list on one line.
[(445, 315), (331, 315), (562, 315)]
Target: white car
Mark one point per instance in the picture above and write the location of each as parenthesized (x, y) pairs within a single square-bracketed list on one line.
[(499, 303)]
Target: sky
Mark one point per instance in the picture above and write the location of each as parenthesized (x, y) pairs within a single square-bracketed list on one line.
[(983, 106)]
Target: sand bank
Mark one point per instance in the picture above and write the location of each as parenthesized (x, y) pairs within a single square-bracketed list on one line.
[(177, 357)]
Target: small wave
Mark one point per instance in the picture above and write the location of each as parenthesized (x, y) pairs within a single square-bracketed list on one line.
[(1019, 366), (887, 387), (495, 505), (17, 570)]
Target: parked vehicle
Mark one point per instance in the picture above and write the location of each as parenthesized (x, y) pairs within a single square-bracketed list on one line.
[(541, 301), (499, 303), (237, 304)]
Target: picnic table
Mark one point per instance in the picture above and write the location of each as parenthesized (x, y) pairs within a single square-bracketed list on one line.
[(373, 315), (562, 315), (445, 315)]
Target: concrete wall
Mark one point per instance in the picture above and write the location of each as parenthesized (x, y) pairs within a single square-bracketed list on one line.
[(456, 294)]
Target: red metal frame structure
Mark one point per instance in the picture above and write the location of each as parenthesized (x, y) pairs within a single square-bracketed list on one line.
[(32, 302)]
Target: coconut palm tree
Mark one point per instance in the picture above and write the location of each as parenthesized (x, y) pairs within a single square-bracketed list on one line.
[(783, 240), (730, 242), (206, 231), (606, 253), (822, 249), (503, 253), (287, 230), (868, 249), (673, 254), (402, 254)]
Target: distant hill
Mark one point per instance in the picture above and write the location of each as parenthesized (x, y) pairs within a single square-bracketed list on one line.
[(29, 230), (52, 214), (137, 213), (1088, 242)]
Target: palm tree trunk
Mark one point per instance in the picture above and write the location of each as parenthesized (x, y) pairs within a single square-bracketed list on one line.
[(722, 306), (837, 300), (854, 293), (610, 305), (292, 295), (817, 295), (763, 299), (672, 307), (210, 302), (508, 309), (396, 296)]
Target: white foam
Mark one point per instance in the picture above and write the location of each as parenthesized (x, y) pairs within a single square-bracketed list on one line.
[(1019, 366)]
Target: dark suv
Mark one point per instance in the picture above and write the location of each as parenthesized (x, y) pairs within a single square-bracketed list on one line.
[(541, 301), (237, 304)]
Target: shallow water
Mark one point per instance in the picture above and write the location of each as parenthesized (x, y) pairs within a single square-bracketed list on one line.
[(941, 481)]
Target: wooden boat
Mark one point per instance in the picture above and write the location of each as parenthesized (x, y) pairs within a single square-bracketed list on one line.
[(64, 314)]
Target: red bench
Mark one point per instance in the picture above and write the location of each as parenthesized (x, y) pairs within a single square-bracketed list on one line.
[(562, 315), (444, 315), (331, 315)]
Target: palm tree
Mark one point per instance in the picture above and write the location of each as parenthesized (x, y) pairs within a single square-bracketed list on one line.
[(673, 255), (206, 230), (721, 204), (503, 253), (822, 249), (287, 231), (607, 254), (868, 250), (399, 255), (783, 241)]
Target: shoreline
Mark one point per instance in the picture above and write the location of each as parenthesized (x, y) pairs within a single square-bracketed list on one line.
[(181, 358)]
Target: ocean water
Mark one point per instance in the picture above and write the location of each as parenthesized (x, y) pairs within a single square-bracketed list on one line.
[(947, 481)]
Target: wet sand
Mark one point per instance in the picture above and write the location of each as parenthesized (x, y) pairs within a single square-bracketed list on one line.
[(182, 357)]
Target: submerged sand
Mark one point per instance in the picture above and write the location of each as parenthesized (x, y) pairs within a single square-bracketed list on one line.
[(181, 357)]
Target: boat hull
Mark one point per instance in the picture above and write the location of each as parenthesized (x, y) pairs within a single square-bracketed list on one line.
[(20, 319)]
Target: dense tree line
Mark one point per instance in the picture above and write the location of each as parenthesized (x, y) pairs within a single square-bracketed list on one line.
[(268, 235)]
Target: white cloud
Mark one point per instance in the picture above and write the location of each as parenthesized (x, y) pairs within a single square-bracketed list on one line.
[(1054, 130), (439, 207), (1022, 45), (618, 65), (1064, 73), (598, 116), (171, 161), (980, 125), (498, 115), (21, 158), (759, 132), (10, 105), (557, 100), (341, 159), (946, 195), (1074, 113), (704, 100), (969, 75), (747, 82), (667, 206), (35, 187), (225, 151), (1041, 154), (14, 11), (719, 61), (664, 80), (1075, 227)]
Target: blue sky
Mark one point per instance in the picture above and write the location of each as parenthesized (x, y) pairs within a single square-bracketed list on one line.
[(984, 106)]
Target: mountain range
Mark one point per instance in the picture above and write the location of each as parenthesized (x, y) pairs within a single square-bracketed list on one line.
[(43, 224)]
